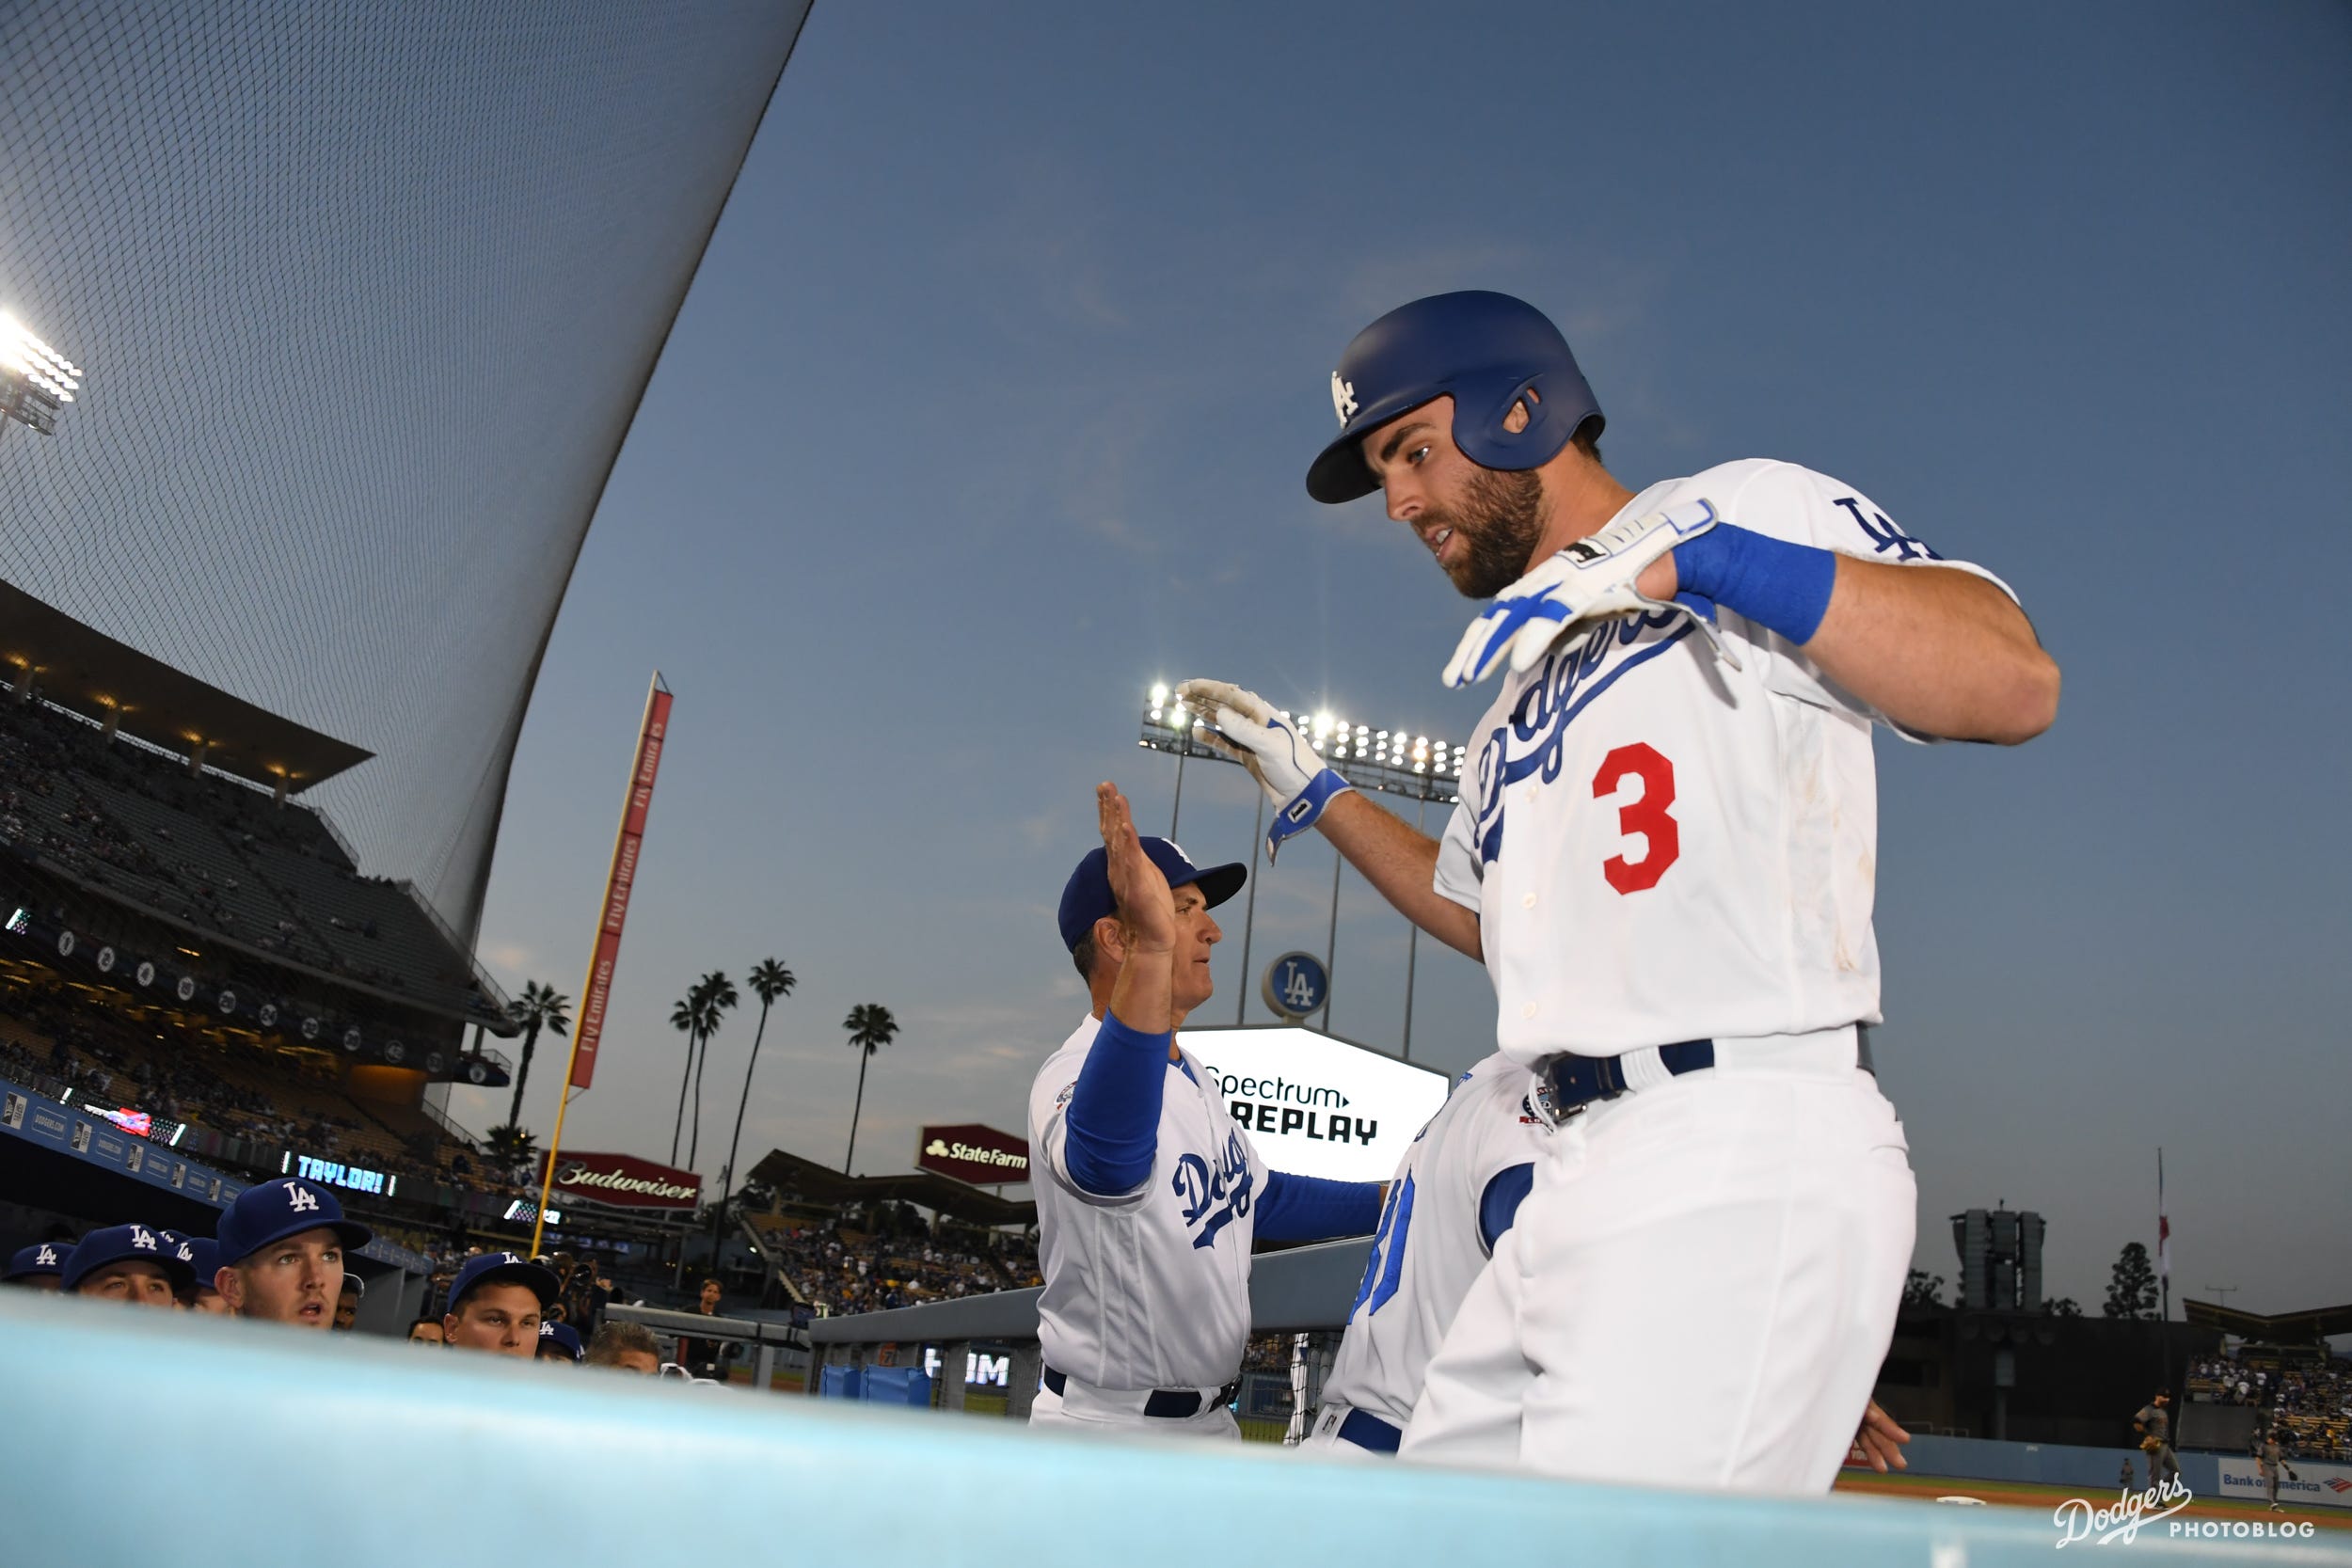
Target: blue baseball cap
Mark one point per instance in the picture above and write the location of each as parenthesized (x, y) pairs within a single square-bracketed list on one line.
[(39, 1259), (122, 1244), (1086, 896), (282, 1207), (204, 1257), (504, 1265), (564, 1335)]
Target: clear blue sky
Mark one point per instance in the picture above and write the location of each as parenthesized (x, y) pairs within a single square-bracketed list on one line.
[(990, 407)]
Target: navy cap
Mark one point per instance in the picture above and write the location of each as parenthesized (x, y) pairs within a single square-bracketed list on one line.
[(563, 1337), (282, 1207), (1086, 896), (204, 1257), (122, 1244), (511, 1266), (39, 1259)]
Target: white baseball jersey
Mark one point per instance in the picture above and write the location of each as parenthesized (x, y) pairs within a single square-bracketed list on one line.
[(1151, 1289), (1660, 847), (1431, 1246)]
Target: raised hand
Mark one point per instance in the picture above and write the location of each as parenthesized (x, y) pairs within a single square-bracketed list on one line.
[(1141, 888)]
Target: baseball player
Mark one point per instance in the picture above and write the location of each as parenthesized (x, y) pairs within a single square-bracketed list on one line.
[(347, 1301), (2270, 1458), (2154, 1422), (1455, 1192), (281, 1252), (559, 1342), (125, 1262), (38, 1266), (1151, 1195), (496, 1303), (1664, 856)]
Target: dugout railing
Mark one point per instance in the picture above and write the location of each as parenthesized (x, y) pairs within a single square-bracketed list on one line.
[(1303, 1291)]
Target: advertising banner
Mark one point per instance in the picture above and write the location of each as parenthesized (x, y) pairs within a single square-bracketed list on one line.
[(2307, 1483), (1319, 1105), (973, 1153), (618, 882), (624, 1181)]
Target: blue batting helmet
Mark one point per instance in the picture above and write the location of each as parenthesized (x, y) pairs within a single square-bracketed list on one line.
[(1487, 351)]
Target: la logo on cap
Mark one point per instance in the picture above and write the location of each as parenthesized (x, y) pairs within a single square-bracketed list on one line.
[(48, 1255), (188, 1253), (510, 1256), (142, 1238), (298, 1200)]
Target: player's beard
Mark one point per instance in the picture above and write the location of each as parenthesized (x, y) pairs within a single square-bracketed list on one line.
[(1499, 521)]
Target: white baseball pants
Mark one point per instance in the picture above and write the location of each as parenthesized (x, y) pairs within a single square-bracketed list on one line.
[(1083, 1409), (1698, 1291)]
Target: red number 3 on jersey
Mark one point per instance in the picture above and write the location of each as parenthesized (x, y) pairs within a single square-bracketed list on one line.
[(1647, 815)]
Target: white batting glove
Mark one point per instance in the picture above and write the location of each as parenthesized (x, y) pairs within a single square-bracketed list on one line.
[(1286, 766), (1590, 579)]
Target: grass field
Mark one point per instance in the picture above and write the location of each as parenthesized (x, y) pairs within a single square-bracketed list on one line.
[(2044, 1499)]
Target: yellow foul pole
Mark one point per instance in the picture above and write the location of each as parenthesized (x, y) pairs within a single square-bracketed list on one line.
[(604, 952)]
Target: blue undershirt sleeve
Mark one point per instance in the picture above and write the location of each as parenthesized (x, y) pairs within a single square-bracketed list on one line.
[(1315, 1208), (1499, 1204), (1112, 1125)]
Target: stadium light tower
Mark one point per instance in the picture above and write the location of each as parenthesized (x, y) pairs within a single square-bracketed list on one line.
[(36, 381), (1392, 761)]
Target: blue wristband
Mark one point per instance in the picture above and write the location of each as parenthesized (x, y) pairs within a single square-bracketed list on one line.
[(1301, 815), (1780, 586)]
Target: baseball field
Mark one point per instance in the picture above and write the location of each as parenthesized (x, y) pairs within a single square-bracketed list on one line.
[(2045, 1499)]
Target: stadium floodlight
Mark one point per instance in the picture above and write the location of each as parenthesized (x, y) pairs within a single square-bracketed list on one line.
[(36, 381), (1395, 762)]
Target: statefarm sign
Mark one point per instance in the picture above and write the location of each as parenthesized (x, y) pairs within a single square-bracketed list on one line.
[(624, 1181), (973, 1153)]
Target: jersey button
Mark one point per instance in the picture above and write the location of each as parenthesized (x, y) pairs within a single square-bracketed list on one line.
[(1527, 1009), (1527, 901)]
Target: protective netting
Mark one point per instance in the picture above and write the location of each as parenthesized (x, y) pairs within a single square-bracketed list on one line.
[(365, 296)]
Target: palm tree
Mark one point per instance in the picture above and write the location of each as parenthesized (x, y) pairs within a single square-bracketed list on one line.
[(718, 995), (539, 1006), (769, 980), (513, 1149), (870, 1027), (685, 1017)]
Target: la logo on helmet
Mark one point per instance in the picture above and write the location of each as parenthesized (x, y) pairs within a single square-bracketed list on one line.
[(1342, 398)]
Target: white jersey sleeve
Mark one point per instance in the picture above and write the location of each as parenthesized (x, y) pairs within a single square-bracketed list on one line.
[(1431, 1246), (1149, 1288), (1806, 508), (1668, 848), (1458, 868)]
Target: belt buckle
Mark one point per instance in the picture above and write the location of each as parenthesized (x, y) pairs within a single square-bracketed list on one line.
[(1608, 1082)]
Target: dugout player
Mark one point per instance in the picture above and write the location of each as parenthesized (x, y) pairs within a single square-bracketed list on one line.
[(1665, 855), (38, 1266), (281, 1252), (496, 1303), (1455, 1192), (131, 1263), (1151, 1195)]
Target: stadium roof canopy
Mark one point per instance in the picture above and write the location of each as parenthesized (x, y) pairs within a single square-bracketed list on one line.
[(2280, 1328), (84, 670), (797, 1177)]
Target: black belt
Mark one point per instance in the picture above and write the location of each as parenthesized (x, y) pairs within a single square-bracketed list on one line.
[(1368, 1430), (1571, 1083), (1168, 1403)]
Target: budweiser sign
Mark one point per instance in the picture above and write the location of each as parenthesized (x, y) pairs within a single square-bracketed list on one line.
[(973, 1153), (624, 1181)]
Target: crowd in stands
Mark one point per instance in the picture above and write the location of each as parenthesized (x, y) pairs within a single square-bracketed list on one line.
[(2310, 1405), (841, 1269), (214, 854)]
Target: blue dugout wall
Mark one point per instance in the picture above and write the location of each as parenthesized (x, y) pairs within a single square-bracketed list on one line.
[(307, 1439)]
